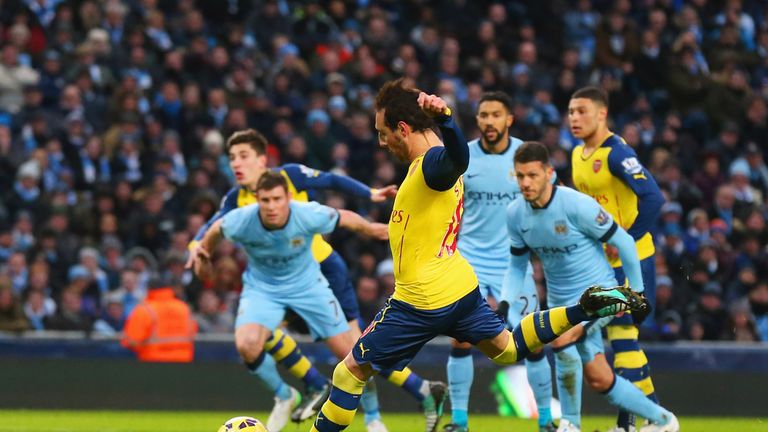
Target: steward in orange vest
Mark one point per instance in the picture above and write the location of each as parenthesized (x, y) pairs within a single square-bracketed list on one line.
[(161, 328)]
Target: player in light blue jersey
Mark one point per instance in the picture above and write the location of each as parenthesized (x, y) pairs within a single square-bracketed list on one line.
[(282, 273), (489, 186), (566, 230)]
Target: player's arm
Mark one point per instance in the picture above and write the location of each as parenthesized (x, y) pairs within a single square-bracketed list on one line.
[(444, 165), (354, 222), (304, 178), (234, 226), (514, 278), (320, 219), (228, 203), (623, 163), (598, 224)]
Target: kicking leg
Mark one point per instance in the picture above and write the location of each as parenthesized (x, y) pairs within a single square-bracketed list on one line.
[(540, 328)]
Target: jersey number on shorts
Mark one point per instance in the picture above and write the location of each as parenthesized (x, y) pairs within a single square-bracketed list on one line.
[(525, 312), (335, 309)]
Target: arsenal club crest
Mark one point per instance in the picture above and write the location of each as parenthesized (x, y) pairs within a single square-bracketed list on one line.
[(596, 165)]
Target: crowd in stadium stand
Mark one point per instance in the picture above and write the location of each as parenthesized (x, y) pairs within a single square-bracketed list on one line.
[(114, 116)]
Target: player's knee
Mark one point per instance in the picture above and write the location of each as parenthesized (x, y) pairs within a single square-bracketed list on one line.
[(598, 374), (349, 372), (460, 345), (599, 381), (249, 345)]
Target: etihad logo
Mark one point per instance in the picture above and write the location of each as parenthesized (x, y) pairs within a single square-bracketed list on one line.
[(490, 196), (555, 250)]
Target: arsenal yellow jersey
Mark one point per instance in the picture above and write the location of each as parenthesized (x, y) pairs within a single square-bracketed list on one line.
[(430, 272), (614, 177)]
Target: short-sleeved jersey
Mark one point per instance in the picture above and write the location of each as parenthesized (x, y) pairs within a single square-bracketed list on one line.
[(282, 258), (489, 186), (302, 184), (430, 272), (613, 176), (567, 235)]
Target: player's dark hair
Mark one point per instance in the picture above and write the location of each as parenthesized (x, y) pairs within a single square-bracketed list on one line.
[(592, 93), (496, 96), (270, 180), (400, 104), (251, 137), (532, 151)]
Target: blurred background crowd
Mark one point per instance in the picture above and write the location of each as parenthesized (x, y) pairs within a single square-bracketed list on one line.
[(114, 115)]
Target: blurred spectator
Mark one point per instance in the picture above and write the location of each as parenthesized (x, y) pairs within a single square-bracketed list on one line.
[(37, 308), (11, 313), (741, 324), (708, 311), (212, 316), (112, 318), (70, 315), (161, 329), (129, 291), (368, 298), (758, 302)]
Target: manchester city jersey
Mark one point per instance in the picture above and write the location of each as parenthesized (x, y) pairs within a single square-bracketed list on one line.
[(280, 259), (489, 186), (567, 235)]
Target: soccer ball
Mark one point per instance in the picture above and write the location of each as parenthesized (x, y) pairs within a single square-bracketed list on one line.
[(243, 424)]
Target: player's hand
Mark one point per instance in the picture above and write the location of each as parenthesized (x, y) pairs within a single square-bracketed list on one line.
[(201, 265), (382, 194), (378, 231), (193, 253), (502, 310), (433, 105), (611, 252)]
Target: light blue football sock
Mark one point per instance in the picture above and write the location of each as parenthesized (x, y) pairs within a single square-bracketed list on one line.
[(624, 394), (569, 373), (460, 375), (369, 402), (540, 379), (265, 369)]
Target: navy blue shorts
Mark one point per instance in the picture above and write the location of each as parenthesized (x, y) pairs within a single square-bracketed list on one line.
[(648, 268), (336, 272), (399, 331)]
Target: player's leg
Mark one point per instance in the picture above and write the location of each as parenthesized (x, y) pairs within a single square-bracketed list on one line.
[(461, 373), (284, 349), (430, 394), (629, 359), (568, 370), (257, 315), (616, 389), (337, 274), (539, 328), (390, 342), (537, 365), (317, 306)]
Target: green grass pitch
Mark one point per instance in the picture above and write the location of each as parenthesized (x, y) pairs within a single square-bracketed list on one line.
[(182, 421)]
